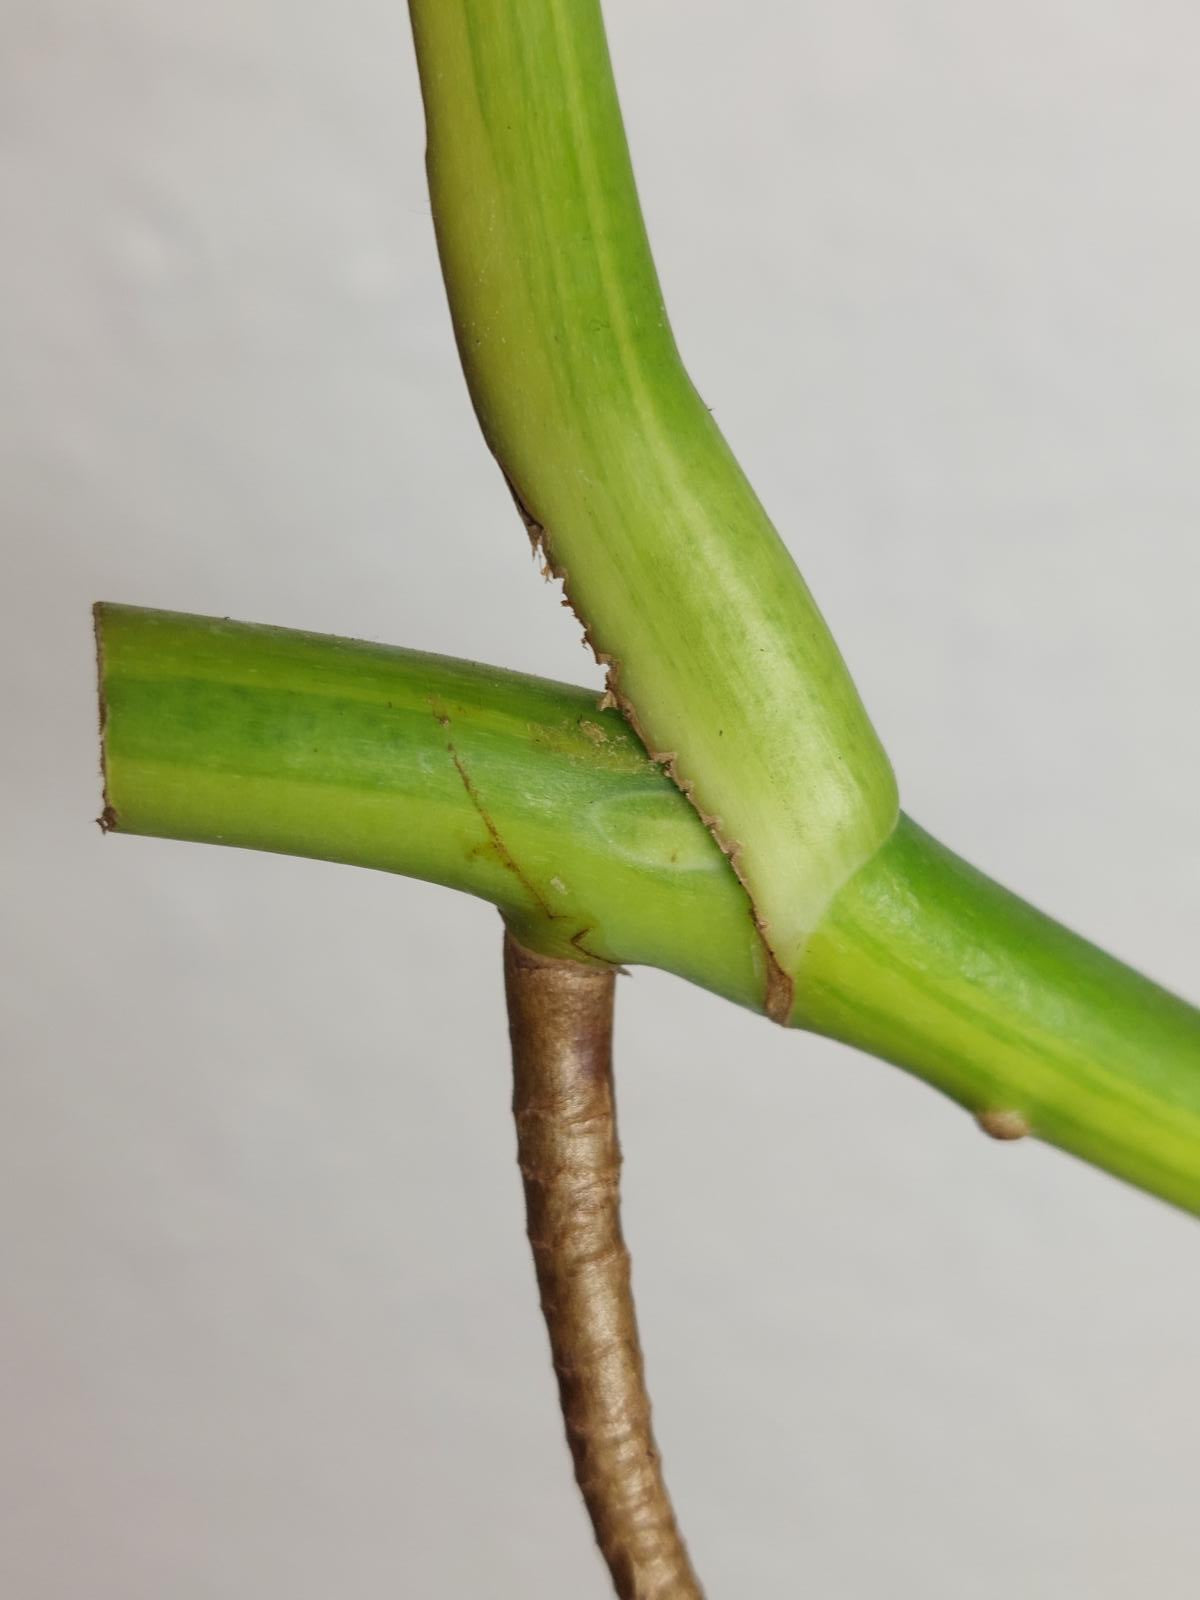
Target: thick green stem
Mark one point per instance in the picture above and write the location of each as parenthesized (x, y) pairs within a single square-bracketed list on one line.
[(523, 793), (510, 788), (715, 648), (930, 964)]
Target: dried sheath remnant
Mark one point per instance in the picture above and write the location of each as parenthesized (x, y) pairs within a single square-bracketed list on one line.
[(560, 1021)]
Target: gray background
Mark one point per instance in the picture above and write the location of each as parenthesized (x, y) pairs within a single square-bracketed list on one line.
[(268, 1325)]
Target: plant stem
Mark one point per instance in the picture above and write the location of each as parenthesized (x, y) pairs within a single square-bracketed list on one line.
[(522, 792), (716, 650), (930, 964), (560, 1022), (513, 789)]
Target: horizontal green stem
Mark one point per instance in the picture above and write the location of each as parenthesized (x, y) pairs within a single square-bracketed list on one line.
[(510, 788), (523, 793)]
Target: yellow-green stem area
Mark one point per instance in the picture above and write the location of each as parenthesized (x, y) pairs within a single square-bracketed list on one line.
[(716, 649), (514, 789), (521, 792), (928, 963)]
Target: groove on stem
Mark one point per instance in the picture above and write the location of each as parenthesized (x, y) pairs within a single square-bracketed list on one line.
[(560, 1022)]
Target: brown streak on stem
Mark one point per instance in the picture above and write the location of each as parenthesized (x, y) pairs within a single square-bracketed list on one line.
[(779, 994), (506, 856), (507, 859), (560, 1023)]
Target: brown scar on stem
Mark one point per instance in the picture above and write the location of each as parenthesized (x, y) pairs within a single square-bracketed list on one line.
[(1004, 1125), (779, 996), (576, 940), (506, 857)]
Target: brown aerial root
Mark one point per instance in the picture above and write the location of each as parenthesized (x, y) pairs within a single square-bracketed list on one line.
[(560, 1021)]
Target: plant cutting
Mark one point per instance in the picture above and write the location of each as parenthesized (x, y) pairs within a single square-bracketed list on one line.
[(725, 812)]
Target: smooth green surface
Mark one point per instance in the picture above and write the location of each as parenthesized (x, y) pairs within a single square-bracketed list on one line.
[(930, 964), (510, 788), (521, 792), (670, 558)]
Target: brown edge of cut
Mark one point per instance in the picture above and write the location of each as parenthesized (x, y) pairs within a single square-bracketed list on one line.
[(560, 1023), (108, 820)]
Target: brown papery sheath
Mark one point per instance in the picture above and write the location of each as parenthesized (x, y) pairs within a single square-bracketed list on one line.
[(560, 1021)]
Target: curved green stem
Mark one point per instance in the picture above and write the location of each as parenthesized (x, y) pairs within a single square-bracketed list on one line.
[(523, 793), (715, 648)]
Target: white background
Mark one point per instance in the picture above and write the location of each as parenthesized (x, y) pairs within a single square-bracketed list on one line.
[(267, 1322)]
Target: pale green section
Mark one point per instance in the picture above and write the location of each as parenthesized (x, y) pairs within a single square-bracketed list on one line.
[(670, 558)]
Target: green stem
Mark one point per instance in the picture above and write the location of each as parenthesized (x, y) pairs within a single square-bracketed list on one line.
[(930, 964), (510, 788), (523, 793), (715, 648)]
